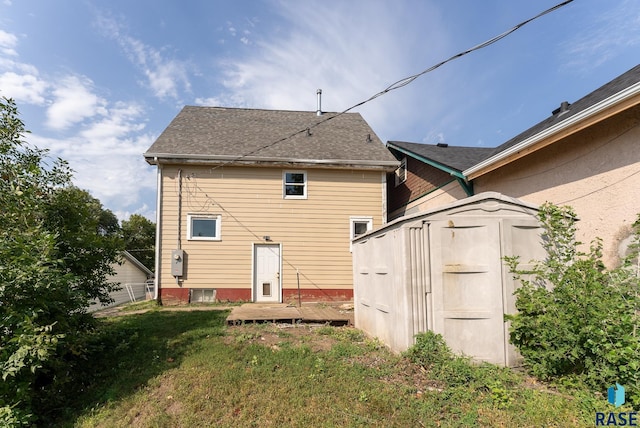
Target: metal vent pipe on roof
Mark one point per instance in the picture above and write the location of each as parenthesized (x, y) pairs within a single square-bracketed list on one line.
[(319, 110), (564, 107)]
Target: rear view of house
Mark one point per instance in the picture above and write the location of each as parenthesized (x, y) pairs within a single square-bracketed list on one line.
[(261, 205)]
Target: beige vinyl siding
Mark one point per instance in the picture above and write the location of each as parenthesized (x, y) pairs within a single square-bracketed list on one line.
[(313, 232)]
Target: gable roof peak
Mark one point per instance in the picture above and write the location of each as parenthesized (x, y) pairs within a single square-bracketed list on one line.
[(234, 135)]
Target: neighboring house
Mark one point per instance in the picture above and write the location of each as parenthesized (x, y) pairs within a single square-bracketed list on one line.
[(586, 154), (132, 277), (261, 205), (426, 168)]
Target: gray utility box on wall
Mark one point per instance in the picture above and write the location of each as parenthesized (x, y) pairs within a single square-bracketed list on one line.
[(443, 270), (177, 262)]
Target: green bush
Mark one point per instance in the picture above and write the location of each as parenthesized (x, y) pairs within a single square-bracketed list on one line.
[(429, 351), (577, 321), (459, 373), (57, 247)]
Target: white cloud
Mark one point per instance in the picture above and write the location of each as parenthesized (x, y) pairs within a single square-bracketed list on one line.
[(231, 29), (339, 48), (24, 88), (102, 140), (144, 210), (117, 123), (74, 101), (164, 76), (609, 34), (8, 43), (19, 81), (106, 156)]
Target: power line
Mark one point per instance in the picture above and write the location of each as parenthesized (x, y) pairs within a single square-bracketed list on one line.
[(400, 83), (394, 86)]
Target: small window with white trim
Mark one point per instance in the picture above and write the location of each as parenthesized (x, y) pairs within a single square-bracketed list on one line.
[(204, 227), (401, 172), (294, 184), (359, 226)]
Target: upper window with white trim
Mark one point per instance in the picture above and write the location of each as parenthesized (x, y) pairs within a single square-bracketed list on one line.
[(294, 185), (401, 172), (204, 227), (359, 226)]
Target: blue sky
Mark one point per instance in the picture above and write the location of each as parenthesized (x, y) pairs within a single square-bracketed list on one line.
[(97, 81)]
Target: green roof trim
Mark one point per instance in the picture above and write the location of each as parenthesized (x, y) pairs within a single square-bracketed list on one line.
[(459, 176)]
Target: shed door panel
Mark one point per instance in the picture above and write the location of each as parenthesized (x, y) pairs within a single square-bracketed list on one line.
[(467, 291), (521, 237)]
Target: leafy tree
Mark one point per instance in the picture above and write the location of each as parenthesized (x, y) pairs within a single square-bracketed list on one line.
[(56, 243), (88, 241), (139, 235)]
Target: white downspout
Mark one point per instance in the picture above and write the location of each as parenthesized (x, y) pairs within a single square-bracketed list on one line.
[(158, 229), (384, 197)]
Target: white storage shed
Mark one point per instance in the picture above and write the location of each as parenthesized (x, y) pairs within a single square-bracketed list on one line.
[(443, 270)]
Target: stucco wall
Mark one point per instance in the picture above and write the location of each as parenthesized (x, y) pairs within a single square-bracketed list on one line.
[(596, 171)]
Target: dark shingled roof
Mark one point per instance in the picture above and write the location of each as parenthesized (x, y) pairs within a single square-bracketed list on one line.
[(463, 158), (618, 84), (218, 133), (455, 157)]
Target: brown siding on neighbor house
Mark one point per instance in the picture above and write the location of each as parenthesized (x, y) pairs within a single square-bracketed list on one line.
[(421, 179), (313, 232)]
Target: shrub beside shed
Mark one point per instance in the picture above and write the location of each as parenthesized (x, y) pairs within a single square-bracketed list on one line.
[(443, 270)]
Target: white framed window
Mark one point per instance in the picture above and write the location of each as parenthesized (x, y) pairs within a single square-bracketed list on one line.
[(401, 172), (294, 185), (204, 227), (359, 226)]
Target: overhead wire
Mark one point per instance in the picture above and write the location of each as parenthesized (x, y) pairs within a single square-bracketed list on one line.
[(397, 84), (394, 86)]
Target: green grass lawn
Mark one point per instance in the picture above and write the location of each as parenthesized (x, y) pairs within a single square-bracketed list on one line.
[(188, 369)]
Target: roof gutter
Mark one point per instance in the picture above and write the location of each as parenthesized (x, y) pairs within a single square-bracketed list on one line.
[(466, 185), (156, 158), (490, 163)]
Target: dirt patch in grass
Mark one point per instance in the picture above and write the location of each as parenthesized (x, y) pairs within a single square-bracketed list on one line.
[(276, 335)]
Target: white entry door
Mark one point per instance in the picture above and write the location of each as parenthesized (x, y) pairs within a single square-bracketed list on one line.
[(266, 268)]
